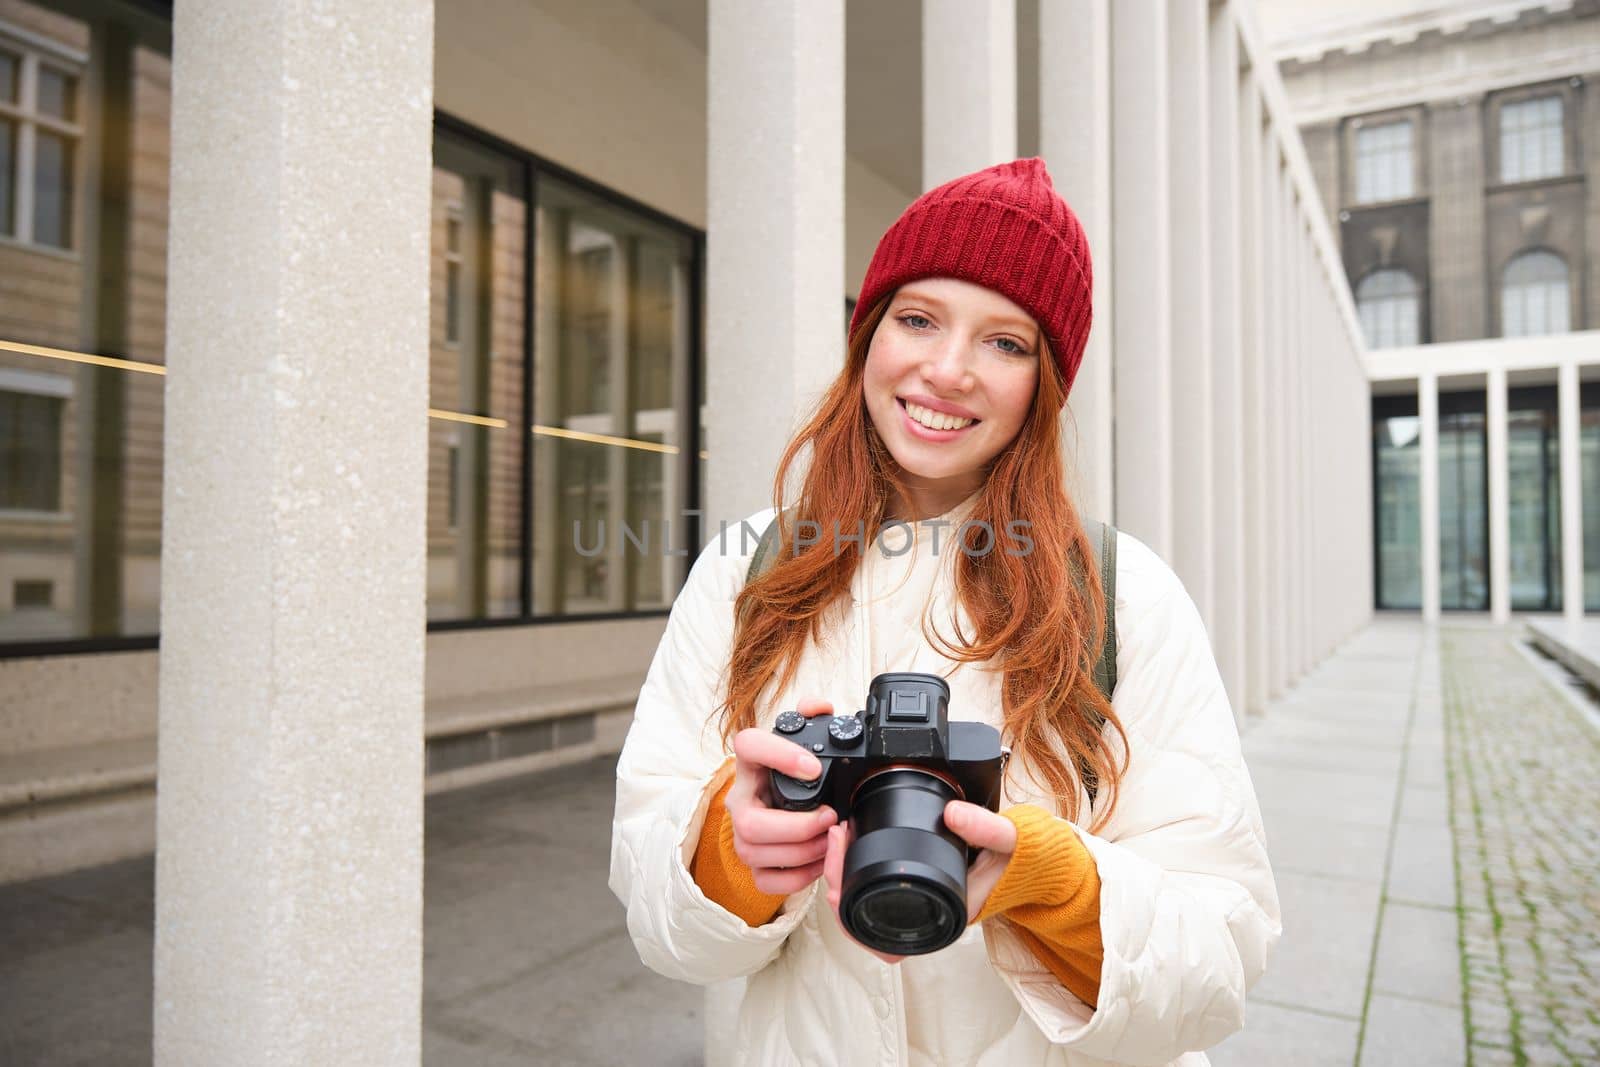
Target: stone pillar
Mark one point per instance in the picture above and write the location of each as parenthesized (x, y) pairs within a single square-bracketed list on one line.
[(1227, 385), (1274, 382), (1075, 143), (969, 86), (1455, 231), (775, 237), (1252, 351), (1571, 495), (1428, 489), (1499, 500), (1189, 196), (289, 819), (1142, 254)]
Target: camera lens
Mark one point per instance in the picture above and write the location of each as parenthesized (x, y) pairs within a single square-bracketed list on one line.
[(905, 874)]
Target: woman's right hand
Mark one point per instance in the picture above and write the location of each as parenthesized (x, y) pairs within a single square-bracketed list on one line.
[(783, 849)]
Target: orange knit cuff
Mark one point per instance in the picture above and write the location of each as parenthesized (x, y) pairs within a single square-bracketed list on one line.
[(721, 875), (1050, 891)]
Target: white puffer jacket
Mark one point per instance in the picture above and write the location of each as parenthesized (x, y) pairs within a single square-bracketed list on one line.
[(1189, 910)]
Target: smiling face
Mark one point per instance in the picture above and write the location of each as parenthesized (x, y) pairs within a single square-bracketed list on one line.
[(950, 377)]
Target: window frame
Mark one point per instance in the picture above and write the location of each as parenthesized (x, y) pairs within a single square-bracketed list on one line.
[(34, 52), (56, 387), (1416, 296), (1501, 290), (1350, 139), (534, 167), (1497, 102), (1525, 134), (537, 168)]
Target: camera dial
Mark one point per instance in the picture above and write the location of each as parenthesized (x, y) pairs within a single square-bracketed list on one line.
[(846, 730), (790, 722)]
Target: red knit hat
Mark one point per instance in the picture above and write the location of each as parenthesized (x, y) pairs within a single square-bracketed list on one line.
[(1005, 228)]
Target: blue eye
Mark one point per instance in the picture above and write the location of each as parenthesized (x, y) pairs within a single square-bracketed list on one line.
[(913, 315), (1015, 349)]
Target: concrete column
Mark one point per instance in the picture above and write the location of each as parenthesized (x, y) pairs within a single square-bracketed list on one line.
[(289, 819), (1075, 142), (1142, 250), (1252, 350), (1571, 495), (1428, 488), (969, 86), (1189, 182), (1227, 385), (1499, 500), (1271, 408), (774, 235)]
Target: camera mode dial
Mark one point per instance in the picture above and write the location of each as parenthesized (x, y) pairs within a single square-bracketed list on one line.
[(790, 722), (845, 729)]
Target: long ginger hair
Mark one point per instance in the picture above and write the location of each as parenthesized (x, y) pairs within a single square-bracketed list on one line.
[(1039, 616)]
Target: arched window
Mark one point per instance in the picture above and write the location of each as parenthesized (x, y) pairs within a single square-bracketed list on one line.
[(1534, 296), (1388, 302)]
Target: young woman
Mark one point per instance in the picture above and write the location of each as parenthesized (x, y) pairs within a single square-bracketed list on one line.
[(1119, 927)]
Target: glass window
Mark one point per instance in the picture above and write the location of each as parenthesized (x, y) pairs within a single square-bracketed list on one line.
[(1534, 296), (1463, 503), (8, 168), (1397, 453), (1589, 452), (80, 445), (39, 138), (30, 451), (613, 360), (475, 382), (10, 70), (1531, 140), (1390, 308), (1383, 162), (57, 94), (1534, 469), (52, 190)]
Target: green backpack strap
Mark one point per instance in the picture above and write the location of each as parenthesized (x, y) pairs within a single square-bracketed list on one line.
[(1103, 536), (762, 560)]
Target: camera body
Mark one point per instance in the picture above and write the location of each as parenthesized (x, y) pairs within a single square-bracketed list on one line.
[(889, 770), (906, 723)]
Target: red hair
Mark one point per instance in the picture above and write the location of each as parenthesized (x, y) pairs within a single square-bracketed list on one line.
[(1039, 616)]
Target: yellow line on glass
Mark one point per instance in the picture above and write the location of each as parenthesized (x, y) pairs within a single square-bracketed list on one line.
[(433, 413), (475, 420), (82, 357), (605, 439)]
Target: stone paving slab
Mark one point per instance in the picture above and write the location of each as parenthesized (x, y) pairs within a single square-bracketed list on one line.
[(1402, 1032)]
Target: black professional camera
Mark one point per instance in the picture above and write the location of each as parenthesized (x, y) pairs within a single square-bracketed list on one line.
[(890, 770)]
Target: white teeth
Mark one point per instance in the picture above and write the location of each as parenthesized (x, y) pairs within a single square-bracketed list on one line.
[(934, 420)]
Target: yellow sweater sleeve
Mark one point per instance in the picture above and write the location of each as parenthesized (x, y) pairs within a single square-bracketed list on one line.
[(722, 875), (1050, 892)]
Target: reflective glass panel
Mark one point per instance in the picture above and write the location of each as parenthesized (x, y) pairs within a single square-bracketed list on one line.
[(613, 359), (477, 338), (1399, 558), (80, 445)]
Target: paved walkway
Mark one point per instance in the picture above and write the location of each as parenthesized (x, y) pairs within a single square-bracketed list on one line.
[(1431, 798), (1525, 768)]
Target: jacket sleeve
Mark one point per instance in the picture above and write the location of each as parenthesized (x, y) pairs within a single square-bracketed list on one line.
[(1189, 911), (671, 766)]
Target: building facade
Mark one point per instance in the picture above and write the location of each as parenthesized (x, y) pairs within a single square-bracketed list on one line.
[(1457, 153), (481, 316)]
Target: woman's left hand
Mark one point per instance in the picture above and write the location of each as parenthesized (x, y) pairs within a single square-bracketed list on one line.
[(977, 826)]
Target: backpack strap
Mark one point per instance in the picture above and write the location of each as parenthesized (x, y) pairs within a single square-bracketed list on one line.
[(1103, 536), (761, 562)]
